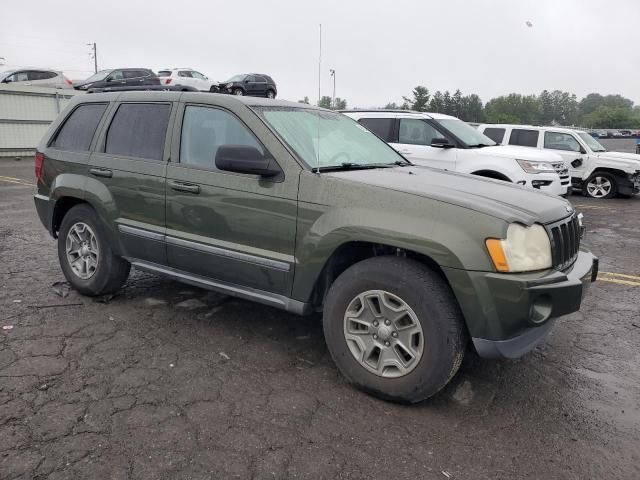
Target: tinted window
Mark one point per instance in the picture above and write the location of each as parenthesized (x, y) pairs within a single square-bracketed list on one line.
[(184, 73), (416, 132), (134, 73), (138, 130), (250, 78), (561, 141), (18, 77), (198, 75), (495, 134), (116, 75), (205, 129), (261, 79), (382, 127), (164, 73), (78, 129), (47, 75), (524, 138)]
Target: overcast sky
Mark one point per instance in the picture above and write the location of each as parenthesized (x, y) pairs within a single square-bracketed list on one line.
[(380, 49)]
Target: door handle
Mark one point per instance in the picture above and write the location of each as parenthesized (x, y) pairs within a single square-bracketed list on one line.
[(101, 172), (184, 187), (404, 150)]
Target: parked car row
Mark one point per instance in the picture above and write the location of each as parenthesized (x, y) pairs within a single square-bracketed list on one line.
[(251, 84), (594, 171), (409, 265), (624, 133), (445, 142)]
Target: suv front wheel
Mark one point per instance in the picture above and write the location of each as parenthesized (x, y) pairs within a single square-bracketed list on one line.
[(394, 328), (601, 185), (86, 258)]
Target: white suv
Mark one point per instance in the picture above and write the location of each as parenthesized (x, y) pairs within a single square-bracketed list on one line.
[(445, 142), (187, 77), (594, 171)]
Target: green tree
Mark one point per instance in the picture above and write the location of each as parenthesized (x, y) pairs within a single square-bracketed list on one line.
[(472, 109), (420, 100), (325, 102), (611, 117), (513, 108), (392, 106), (456, 104), (341, 104), (304, 100), (437, 103), (558, 107), (447, 103)]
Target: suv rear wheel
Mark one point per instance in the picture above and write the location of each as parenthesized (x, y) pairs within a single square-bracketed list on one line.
[(601, 185), (87, 261), (394, 328), (238, 91), (271, 94)]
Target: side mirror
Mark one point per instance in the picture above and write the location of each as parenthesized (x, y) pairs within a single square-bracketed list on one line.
[(243, 159), (109, 79), (576, 163), (441, 143), (582, 150)]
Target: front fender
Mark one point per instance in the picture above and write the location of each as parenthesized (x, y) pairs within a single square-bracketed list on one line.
[(430, 232)]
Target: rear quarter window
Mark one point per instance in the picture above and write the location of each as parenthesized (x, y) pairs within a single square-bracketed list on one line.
[(79, 127), (524, 138), (495, 134), (381, 127), (139, 130), (164, 73)]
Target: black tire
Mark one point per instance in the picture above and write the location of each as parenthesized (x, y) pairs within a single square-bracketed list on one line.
[(111, 271), (603, 176), (214, 89), (238, 91), (270, 94), (433, 302)]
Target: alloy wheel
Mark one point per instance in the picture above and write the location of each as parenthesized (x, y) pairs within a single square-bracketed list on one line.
[(82, 250), (599, 187), (383, 334)]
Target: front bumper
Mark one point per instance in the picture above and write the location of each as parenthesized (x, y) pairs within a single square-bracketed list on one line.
[(509, 314), (555, 186)]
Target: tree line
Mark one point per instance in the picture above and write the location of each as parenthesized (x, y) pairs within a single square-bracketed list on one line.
[(548, 108)]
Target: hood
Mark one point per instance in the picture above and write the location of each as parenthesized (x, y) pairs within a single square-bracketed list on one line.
[(507, 201), (630, 159), (523, 153)]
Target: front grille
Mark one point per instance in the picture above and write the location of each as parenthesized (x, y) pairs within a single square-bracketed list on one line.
[(565, 241)]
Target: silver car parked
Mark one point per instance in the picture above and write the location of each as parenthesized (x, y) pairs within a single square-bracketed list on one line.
[(37, 77)]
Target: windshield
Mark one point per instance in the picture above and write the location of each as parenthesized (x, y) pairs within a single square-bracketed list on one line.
[(236, 78), (101, 75), (591, 142), (325, 139), (465, 133)]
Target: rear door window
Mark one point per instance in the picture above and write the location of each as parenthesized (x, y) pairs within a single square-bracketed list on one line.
[(139, 130), (495, 134), (524, 138), (381, 127), (184, 73), (78, 129), (416, 132)]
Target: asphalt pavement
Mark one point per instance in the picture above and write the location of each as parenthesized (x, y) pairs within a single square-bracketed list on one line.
[(167, 381)]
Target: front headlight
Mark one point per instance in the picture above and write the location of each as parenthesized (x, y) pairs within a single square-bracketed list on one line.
[(525, 249), (535, 167)]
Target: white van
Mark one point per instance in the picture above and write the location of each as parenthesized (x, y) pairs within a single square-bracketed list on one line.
[(594, 171), (445, 142)]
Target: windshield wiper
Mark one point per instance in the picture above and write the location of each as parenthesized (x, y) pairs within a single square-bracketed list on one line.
[(402, 163), (352, 166)]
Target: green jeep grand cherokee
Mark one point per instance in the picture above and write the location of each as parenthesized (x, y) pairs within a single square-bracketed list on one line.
[(305, 210)]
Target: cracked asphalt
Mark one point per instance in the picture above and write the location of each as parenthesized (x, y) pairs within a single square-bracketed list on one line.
[(166, 381)]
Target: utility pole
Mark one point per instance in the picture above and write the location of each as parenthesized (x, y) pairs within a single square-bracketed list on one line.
[(95, 56), (320, 65), (332, 71)]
